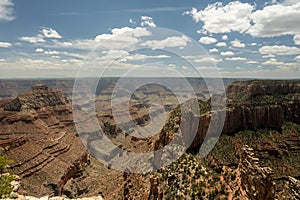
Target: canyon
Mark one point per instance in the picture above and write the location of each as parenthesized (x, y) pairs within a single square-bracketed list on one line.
[(259, 143)]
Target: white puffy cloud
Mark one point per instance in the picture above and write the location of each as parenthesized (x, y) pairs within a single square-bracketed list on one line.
[(276, 20), (227, 53), (147, 21), (50, 33), (119, 38), (33, 39), (272, 61), (143, 57), (113, 54), (268, 56), (173, 41), (237, 44), (217, 18), (297, 58), (40, 38), (281, 65), (6, 10), (208, 40), (224, 37), (39, 50), (297, 39), (208, 60), (214, 50), (272, 20), (236, 59), (52, 52), (221, 44), (279, 50), (5, 44), (252, 62)]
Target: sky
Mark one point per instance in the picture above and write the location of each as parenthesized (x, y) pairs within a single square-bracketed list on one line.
[(239, 39)]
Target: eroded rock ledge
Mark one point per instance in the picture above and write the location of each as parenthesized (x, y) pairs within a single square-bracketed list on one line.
[(256, 181)]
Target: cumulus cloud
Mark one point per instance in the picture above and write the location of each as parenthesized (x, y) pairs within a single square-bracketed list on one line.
[(5, 44), (237, 44), (297, 58), (221, 44), (33, 39), (52, 52), (39, 50), (50, 33), (173, 41), (214, 50), (276, 20), (147, 21), (272, 61), (208, 40), (118, 39), (40, 38), (6, 10), (227, 53), (224, 37), (252, 62), (236, 59), (279, 50), (143, 57), (272, 20), (208, 60), (268, 56), (297, 39), (217, 18)]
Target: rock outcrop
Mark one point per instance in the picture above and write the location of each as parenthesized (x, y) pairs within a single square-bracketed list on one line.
[(38, 97), (292, 189), (256, 181)]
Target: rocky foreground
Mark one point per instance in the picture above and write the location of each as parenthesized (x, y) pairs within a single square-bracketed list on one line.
[(256, 157)]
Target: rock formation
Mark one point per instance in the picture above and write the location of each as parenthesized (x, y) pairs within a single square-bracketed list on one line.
[(38, 133), (38, 97), (264, 87), (256, 181), (292, 189)]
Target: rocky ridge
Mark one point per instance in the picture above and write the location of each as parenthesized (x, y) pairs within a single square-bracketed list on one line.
[(256, 181)]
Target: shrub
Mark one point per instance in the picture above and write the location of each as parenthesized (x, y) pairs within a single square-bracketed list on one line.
[(5, 179)]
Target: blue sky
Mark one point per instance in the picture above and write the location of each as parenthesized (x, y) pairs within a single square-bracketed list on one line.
[(255, 39)]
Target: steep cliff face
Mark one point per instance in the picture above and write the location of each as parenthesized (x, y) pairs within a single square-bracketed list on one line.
[(260, 87), (261, 112), (253, 116)]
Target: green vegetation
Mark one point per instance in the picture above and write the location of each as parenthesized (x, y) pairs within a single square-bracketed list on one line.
[(5, 178), (191, 178)]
